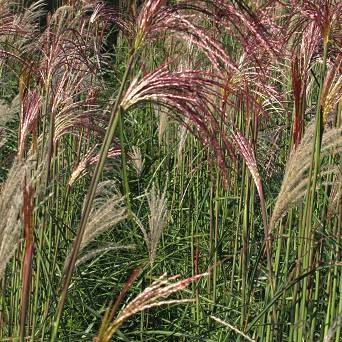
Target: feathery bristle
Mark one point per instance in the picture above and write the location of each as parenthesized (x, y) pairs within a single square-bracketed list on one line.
[(101, 250), (108, 210), (157, 220), (296, 178), (136, 159), (11, 202), (152, 296)]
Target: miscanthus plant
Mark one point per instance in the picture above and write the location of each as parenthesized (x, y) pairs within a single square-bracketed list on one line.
[(144, 138)]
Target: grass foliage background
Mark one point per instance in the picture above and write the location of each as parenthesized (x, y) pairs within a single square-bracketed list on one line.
[(145, 139)]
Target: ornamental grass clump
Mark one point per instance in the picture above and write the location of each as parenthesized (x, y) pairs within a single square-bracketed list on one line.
[(229, 101)]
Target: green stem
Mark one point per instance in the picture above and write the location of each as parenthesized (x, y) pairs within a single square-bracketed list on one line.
[(124, 166), (113, 123)]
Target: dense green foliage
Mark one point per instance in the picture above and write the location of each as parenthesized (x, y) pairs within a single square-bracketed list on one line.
[(194, 138)]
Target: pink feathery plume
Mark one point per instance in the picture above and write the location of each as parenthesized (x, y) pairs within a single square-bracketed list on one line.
[(156, 19), (29, 114), (90, 159), (188, 94), (248, 155)]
